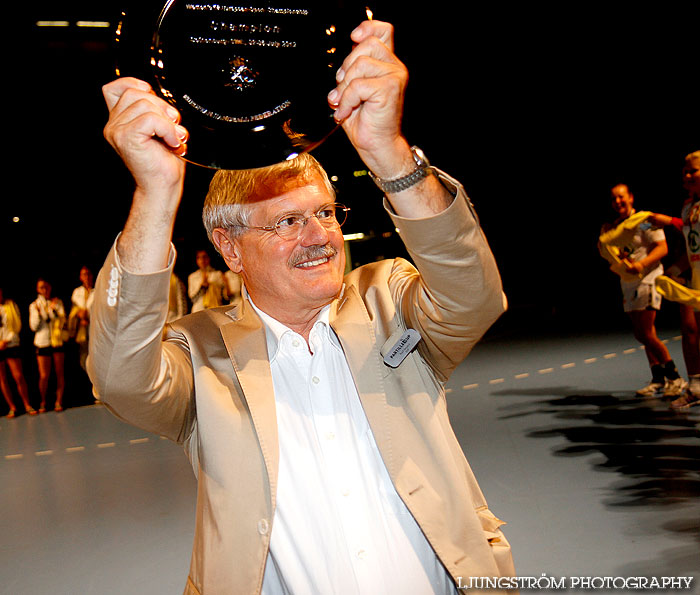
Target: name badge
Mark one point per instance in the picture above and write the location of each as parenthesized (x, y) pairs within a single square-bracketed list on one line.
[(400, 348)]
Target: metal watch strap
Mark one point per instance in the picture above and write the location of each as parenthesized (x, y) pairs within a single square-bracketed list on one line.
[(422, 170)]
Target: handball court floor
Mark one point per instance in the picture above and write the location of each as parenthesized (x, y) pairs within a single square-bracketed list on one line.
[(592, 481)]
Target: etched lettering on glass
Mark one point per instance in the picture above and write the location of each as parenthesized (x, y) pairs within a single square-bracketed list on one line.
[(237, 119), (247, 9), (237, 46)]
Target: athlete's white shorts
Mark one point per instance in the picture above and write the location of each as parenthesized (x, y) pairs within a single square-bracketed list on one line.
[(640, 296)]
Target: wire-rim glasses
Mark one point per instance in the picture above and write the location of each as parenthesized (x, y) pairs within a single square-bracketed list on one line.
[(290, 226)]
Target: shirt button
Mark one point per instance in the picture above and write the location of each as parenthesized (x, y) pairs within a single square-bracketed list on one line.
[(296, 343), (315, 380), (330, 436), (361, 554), (263, 526), (345, 492)]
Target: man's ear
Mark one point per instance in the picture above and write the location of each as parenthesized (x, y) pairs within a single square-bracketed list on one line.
[(228, 249)]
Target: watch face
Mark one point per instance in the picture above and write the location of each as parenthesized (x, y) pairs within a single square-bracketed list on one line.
[(419, 157), (250, 81)]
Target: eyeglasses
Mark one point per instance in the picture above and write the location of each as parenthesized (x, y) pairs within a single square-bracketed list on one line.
[(289, 227)]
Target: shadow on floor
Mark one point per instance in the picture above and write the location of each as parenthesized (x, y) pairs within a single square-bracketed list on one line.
[(654, 449)]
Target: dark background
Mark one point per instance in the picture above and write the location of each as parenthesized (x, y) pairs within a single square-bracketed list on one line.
[(538, 110)]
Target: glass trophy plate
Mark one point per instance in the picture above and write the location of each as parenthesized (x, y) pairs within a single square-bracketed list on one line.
[(250, 80)]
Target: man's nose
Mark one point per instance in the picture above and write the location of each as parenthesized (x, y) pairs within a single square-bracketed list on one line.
[(313, 233)]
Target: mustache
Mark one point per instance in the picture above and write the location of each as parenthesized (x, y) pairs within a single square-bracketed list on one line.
[(312, 253)]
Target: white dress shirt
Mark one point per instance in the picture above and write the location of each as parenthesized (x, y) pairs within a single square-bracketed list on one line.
[(339, 527)]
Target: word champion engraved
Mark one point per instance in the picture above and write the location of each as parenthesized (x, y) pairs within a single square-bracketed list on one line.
[(244, 28)]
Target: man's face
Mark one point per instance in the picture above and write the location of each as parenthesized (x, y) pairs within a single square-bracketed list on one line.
[(203, 260), (285, 277), (622, 200), (691, 176)]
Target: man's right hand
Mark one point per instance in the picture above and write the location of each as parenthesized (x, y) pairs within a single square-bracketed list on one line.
[(146, 133)]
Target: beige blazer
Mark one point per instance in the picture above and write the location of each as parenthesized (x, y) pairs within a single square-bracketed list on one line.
[(208, 387)]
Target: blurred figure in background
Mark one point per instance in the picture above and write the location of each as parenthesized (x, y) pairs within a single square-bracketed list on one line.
[(691, 231), (206, 285), (79, 318), (47, 318), (10, 356), (234, 286), (177, 300), (686, 272)]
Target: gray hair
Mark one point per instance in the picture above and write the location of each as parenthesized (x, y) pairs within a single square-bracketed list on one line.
[(232, 193)]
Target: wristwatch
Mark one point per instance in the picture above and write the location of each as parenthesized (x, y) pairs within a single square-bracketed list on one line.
[(423, 170)]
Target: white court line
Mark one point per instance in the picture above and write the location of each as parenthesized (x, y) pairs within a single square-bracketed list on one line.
[(565, 366), (73, 449)]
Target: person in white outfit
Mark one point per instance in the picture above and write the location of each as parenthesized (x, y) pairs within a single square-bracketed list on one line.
[(79, 319), (10, 356), (47, 318), (205, 286)]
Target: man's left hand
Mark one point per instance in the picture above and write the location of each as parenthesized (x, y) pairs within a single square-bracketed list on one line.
[(368, 100)]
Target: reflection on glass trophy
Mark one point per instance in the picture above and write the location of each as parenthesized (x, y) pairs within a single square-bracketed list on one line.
[(249, 80)]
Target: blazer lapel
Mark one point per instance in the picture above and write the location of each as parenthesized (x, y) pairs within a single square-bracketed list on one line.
[(246, 345)]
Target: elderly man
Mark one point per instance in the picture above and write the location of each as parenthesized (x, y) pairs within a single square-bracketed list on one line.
[(316, 427)]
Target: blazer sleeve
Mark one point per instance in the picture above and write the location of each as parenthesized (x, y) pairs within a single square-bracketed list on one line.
[(456, 293), (141, 379)]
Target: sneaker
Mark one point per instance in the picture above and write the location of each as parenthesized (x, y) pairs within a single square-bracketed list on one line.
[(651, 389), (685, 401), (675, 388)]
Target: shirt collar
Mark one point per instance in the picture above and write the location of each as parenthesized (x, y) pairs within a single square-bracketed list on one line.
[(275, 330)]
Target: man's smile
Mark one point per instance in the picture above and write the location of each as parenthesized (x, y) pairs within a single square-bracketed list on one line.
[(312, 263), (313, 256)]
